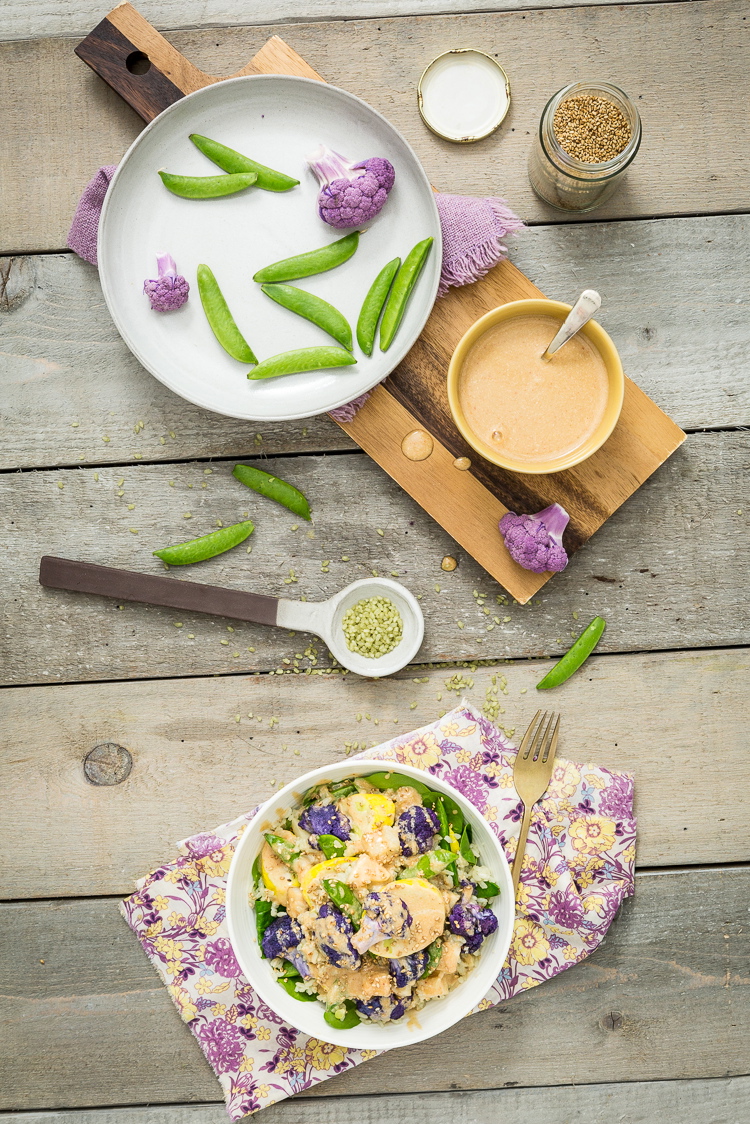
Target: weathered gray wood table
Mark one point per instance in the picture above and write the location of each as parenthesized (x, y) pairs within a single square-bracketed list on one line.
[(654, 1024)]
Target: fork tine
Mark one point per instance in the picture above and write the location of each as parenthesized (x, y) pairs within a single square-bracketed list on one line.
[(527, 737), (537, 742), (550, 740)]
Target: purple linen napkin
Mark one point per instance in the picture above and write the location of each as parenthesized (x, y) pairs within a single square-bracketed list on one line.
[(578, 869), (474, 232)]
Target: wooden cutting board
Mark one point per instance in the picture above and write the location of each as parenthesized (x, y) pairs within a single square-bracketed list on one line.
[(150, 74)]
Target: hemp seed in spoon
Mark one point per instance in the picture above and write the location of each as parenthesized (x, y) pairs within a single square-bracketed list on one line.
[(372, 627)]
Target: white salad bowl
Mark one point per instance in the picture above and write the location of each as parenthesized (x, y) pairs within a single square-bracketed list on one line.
[(438, 1014)]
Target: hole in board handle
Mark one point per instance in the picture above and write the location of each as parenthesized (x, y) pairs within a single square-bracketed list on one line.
[(138, 63)]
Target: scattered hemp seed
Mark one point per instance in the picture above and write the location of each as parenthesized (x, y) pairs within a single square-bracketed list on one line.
[(162, 440), (591, 129), (372, 627), (133, 530), (178, 624), (191, 636), (137, 456), (173, 435), (225, 643), (380, 531), (105, 440), (131, 507), (219, 523), (437, 589), (238, 717), (171, 483), (575, 614), (523, 690), (60, 484), (229, 628), (449, 563), (187, 515), (251, 650), (74, 425), (96, 476)]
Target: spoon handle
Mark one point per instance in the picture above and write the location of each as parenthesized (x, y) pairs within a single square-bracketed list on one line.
[(585, 307), (154, 589)]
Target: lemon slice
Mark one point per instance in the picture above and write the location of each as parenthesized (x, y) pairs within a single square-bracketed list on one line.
[(321, 870), (277, 877), (368, 811)]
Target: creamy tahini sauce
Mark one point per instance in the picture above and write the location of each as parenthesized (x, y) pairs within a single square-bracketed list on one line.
[(527, 408)]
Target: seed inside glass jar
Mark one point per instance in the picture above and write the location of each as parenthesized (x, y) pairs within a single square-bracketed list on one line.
[(591, 129)]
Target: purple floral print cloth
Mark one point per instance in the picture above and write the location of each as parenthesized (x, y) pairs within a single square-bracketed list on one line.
[(578, 869)]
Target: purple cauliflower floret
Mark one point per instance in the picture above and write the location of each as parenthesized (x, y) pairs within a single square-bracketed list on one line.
[(169, 290), (473, 923), (417, 828), (382, 1008), (333, 932), (407, 969), (535, 541), (281, 939), (325, 819), (385, 915), (350, 194)]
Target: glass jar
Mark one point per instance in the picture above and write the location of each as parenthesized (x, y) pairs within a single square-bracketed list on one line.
[(565, 181)]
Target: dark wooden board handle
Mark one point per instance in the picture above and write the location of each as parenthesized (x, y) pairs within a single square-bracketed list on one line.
[(138, 63), (154, 589)]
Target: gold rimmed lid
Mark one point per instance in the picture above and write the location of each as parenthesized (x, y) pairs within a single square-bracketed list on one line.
[(463, 95)]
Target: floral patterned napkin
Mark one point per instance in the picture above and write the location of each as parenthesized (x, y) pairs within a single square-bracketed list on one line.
[(579, 866)]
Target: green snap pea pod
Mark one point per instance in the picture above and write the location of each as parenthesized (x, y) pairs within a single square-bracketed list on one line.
[(273, 488), (575, 656), (403, 286), (220, 319), (434, 952), (289, 972), (290, 987), (397, 780), (350, 1019), (263, 919), (464, 846), (314, 309), (207, 187), (442, 815), (284, 848), (331, 846), (314, 261), (373, 304), (230, 161), (207, 546), (345, 898), (303, 359), (340, 789), (429, 864), (489, 890)]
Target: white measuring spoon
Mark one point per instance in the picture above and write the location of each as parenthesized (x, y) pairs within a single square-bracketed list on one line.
[(585, 307), (324, 618)]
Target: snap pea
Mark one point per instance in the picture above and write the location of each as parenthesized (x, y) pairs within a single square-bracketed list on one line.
[(289, 972), (344, 897), (373, 304), (575, 656), (397, 780), (337, 789), (290, 987), (429, 864), (331, 846), (207, 546), (403, 286), (464, 846), (434, 953), (257, 875), (263, 919), (230, 161), (442, 815), (207, 187), (350, 1019), (220, 319), (314, 309), (489, 890), (273, 488), (314, 261), (284, 848), (303, 359)]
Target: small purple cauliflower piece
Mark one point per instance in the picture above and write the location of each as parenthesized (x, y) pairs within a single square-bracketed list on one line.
[(169, 290), (382, 1008), (333, 932), (473, 923), (385, 915), (281, 939), (535, 541), (417, 828), (406, 969), (350, 194), (325, 819)]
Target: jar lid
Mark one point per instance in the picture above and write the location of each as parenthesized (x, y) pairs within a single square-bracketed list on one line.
[(463, 95)]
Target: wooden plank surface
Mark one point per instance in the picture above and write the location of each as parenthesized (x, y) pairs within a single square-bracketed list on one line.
[(195, 766), (92, 1025), (675, 301), (692, 159), (23, 19), (720, 1100), (663, 571)]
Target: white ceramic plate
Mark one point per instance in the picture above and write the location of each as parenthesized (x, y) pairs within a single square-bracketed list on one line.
[(437, 1015), (276, 120)]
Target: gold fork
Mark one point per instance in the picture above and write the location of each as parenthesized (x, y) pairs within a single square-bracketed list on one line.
[(531, 774)]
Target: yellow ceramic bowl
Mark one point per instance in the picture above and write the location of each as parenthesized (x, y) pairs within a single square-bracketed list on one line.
[(596, 336)]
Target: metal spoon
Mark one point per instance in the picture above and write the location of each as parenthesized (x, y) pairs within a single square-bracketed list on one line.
[(587, 304), (324, 618)]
